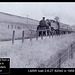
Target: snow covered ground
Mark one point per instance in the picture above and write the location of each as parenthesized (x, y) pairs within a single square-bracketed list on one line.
[(31, 54)]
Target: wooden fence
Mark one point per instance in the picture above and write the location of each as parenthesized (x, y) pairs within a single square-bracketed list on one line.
[(31, 36), (61, 57), (23, 37)]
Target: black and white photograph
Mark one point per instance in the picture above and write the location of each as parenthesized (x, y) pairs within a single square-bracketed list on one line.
[(38, 34)]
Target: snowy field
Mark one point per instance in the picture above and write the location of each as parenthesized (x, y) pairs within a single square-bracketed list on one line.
[(32, 54)]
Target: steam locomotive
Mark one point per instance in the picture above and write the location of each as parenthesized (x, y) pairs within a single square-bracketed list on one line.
[(54, 28)]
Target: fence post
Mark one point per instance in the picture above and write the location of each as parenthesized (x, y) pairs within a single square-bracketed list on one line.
[(22, 36), (52, 34), (36, 35), (68, 54), (59, 62), (71, 51), (31, 36), (49, 34), (41, 34), (13, 36)]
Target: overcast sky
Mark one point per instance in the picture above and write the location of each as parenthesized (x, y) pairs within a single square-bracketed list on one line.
[(36, 10)]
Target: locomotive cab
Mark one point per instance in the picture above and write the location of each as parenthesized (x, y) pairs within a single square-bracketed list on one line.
[(42, 30), (44, 27)]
